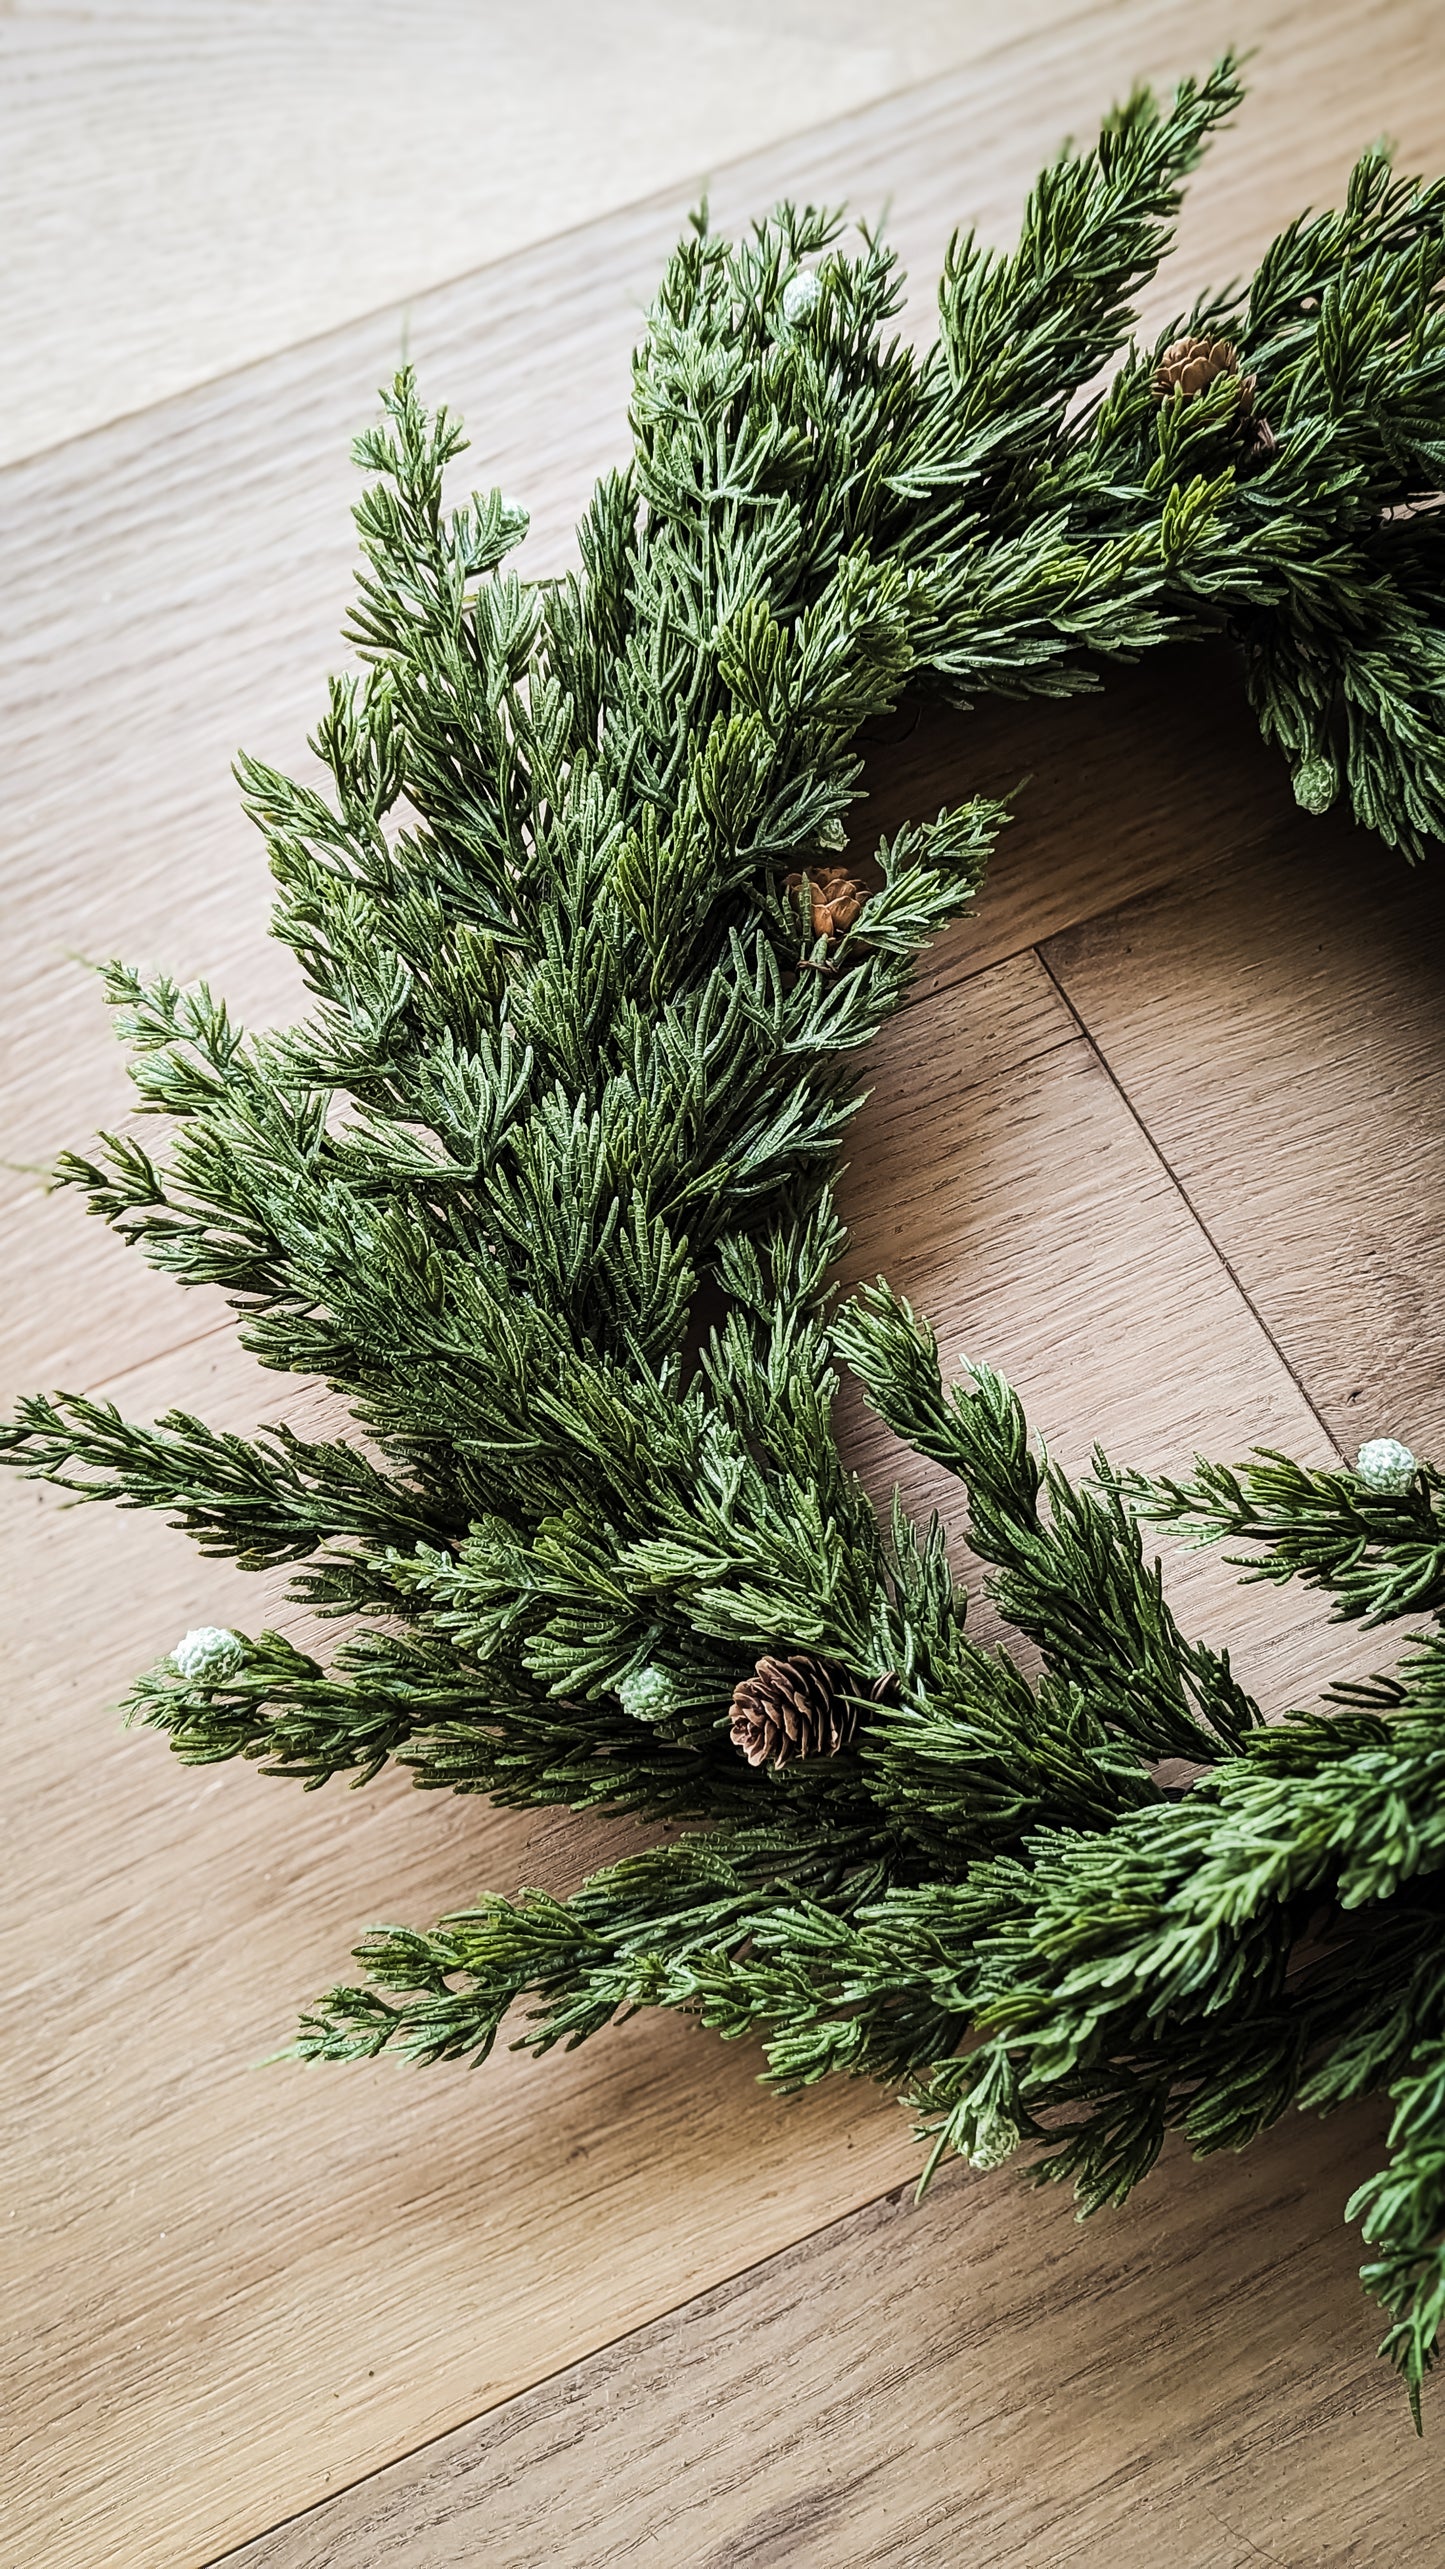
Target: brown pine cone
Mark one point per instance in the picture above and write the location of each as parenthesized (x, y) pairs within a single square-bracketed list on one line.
[(835, 899), (1190, 365), (790, 1708)]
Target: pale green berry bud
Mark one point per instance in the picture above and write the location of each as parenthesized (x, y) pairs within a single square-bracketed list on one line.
[(207, 1656), (1315, 784), (1386, 1465), (800, 295), (996, 2141), (647, 1694)]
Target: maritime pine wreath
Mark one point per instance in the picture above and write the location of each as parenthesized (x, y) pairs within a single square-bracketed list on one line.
[(544, 1186)]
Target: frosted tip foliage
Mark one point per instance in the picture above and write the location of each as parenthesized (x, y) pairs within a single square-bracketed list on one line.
[(1385, 1464), (800, 294), (208, 1655)]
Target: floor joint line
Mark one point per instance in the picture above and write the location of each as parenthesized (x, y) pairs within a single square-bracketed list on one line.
[(1158, 1153)]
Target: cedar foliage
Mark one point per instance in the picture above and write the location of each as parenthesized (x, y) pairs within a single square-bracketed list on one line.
[(543, 1185)]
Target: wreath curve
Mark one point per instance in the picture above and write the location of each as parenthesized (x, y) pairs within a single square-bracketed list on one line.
[(544, 1185)]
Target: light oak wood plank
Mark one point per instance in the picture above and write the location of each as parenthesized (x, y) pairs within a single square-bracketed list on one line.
[(875, 2398), (1110, 794), (1013, 1213), (184, 190), (1276, 1021)]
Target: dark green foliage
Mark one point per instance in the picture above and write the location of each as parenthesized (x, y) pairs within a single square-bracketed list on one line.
[(1377, 1554), (543, 1187)]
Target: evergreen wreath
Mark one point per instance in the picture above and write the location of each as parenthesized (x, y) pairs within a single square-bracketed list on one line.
[(544, 1185)]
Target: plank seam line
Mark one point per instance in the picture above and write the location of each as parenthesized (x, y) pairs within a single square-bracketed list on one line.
[(695, 183), (1102, 15), (158, 1356), (1191, 1208), (301, 2515), (952, 976)]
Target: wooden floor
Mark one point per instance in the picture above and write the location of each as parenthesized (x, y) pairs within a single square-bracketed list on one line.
[(1160, 1133)]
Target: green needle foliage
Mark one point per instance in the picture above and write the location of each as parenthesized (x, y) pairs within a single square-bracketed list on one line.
[(542, 1186)]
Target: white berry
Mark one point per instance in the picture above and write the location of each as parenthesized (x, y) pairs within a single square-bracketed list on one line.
[(1385, 1464), (208, 1656), (800, 294)]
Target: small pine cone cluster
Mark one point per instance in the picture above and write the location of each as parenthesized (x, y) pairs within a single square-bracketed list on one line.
[(836, 900), (1190, 366), (795, 1707)]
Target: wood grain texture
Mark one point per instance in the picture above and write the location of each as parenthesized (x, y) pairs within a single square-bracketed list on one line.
[(874, 2398), (1277, 1014), (185, 189), (230, 2290), (1019, 1204)]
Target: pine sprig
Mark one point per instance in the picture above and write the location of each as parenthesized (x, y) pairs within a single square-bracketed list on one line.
[(1379, 1554)]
